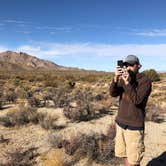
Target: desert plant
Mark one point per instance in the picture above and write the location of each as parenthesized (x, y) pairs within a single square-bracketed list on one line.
[(53, 158), (20, 116), (60, 98), (90, 78), (21, 93), (98, 147), (1, 98), (48, 121), (106, 145), (34, 102), (18, 157), (82, 111), (154, 113), (82, 144), (55, 140), (152, 74), (81, 105), (9, 94), (4, 140), (99, 97)]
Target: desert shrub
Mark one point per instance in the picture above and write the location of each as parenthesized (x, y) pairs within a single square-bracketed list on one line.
[(34, 102), (84, 95), (98, 147), (53, 158), (60, 98), (81, 106), (95, 147), (18, 157), (82, 111), (90, 78), (99, 97), (21, 93), (154, 113), (85, 145), (55, 140), (1, 103), (48, 121), (1, 98), (106, 146), (152, 74), (17, 81), (5, 121), (4, 140), (9, 94), (48, 94), (51, 83), (20, 116)]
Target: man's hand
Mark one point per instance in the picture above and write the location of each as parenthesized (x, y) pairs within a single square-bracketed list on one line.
[(118, 73), (126, 77)]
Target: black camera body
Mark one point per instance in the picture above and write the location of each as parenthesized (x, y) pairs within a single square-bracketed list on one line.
[(120, 63)]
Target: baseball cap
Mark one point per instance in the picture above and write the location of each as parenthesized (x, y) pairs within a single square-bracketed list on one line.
[(131, 59)]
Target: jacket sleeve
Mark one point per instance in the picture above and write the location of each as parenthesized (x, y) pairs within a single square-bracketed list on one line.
[(115, 90), (137, 95)]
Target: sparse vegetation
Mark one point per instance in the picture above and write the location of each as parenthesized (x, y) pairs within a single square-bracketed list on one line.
[(19, 116), (20, 157), (80, 107), (154, 113), (49, 121), (81, 96), (152, 74), (95, 146)]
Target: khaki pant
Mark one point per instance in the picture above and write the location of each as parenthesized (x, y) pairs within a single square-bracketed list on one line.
[(130, 144)]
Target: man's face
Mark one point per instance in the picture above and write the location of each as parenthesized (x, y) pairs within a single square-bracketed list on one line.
[(135, 68)]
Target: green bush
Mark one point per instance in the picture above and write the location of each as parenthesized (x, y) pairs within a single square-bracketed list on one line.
[(152, 74)]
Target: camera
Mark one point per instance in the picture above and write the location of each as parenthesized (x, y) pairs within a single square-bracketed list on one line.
[(120, 63), (122, 66)]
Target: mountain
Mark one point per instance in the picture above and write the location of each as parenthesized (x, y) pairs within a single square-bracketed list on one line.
[(10, 60)]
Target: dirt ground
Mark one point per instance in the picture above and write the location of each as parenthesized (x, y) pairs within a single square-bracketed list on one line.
[(32, 135)]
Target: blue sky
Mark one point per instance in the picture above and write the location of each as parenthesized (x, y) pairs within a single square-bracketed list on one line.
[(89, 34)]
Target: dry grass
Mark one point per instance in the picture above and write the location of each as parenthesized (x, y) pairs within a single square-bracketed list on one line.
[(95, 147), (50, 118), (53, 158), (47, 121), (18, 157), (19, 116), (87, 100), (154, 113)]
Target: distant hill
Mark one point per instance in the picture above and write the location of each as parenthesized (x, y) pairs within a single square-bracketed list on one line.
[(10, 60)]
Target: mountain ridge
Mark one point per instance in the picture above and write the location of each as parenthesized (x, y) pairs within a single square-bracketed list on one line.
[(22, 61)]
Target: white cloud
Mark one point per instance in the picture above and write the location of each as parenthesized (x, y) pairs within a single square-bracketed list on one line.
[(53, 28), (153, 33), (24, 32), (14, 21), (37, 50), (87, 49), (88, 55)]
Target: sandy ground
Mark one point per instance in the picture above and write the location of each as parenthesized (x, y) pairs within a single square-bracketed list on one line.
[(155, 141), (34, 136)]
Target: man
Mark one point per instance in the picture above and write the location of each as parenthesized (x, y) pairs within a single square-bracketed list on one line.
[(134, 89)]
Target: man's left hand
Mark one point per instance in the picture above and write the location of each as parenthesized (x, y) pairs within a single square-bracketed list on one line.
[(126, 78)]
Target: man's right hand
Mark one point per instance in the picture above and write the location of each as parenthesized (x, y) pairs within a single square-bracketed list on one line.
[(118, 73)]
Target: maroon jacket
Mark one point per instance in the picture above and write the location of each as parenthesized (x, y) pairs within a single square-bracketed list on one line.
[(133, 99)]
